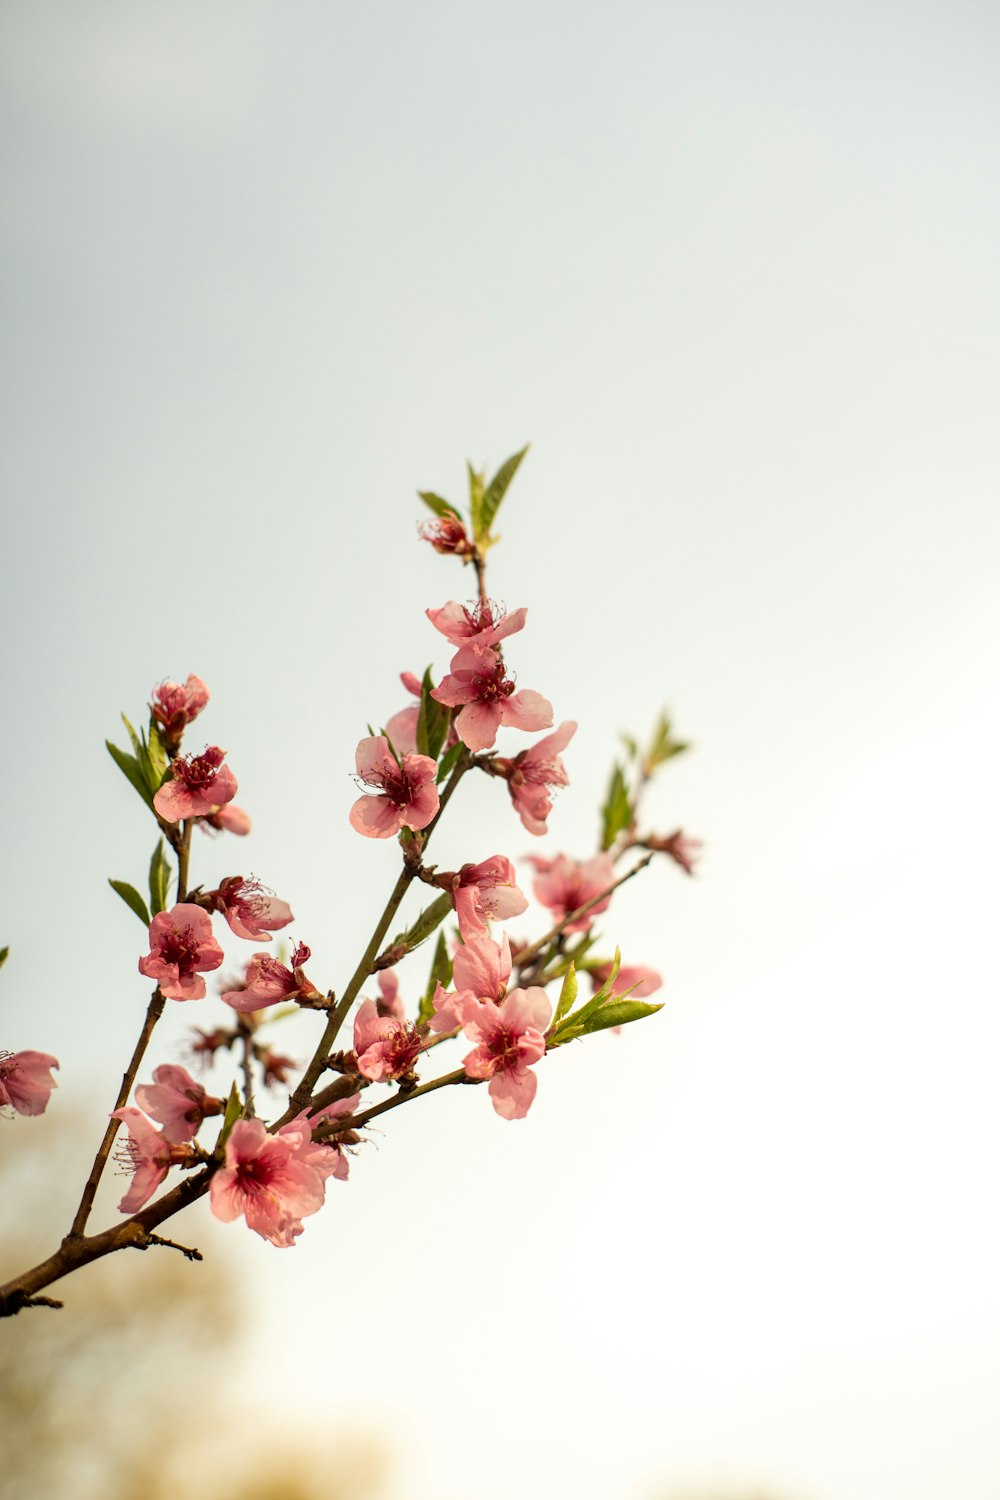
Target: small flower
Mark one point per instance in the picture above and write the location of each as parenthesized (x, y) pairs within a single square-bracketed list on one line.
[(201, 785), (276, 1066), (229, 819), (25, 1081), (478, 683), (204, 1044), (486, 891), (178, 1102), (510, 1038), (683, 850), (148, 1155), (565, 884), (174, 705), (267, 982), (447, 535), (385, 1047), (269, 1180), (530, 774), (407, 796), (181, 947), (327, 1156), (479, 626), (389, 1002), (251, 911)]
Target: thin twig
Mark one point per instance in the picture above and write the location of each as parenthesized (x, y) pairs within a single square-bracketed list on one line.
[(525, 955)]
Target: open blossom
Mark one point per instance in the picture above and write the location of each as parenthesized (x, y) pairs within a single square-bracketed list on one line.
[(251, 911), (268, 982), (480, 625), (274, 1181), (510, 1037), (530, 774), (148, 1155), (635, 978), (175, 704), (478, 683), (385, 1047), (181, 948), (25, 1081), (201, 785), (481, 971), (229, 819), (407, 796), (564, 884), (177, 1101), (446, 534), (486, 891)]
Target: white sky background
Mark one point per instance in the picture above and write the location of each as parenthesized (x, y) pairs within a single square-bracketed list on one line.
[(732, 269)]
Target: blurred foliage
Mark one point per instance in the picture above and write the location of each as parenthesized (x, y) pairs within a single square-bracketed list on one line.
[(123, 1394)]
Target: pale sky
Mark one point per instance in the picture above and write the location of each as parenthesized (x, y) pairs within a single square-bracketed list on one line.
[(731, 269)]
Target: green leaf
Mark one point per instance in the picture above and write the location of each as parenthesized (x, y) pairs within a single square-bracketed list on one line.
[(663, 746), (156, 750), (619, 1013), (575, 1024), (132, 769), (477, 484), (234, 1109), (429, 919), (132, 899), (441, 971), (495, 491), (631, 745), (159, 879), (448, 761), (437, 505), (3, 956), (432, 720), (617, 812), (567, 995)]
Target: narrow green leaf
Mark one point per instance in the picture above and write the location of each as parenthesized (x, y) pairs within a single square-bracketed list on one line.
[(567, 995), (448, 761), (576, 1022), (429, 919), (432, 720), (131, 768), (631, 745), (132, 899), (234, 1109), (437, 505), (441, 971), (132, 736), (159, 879), (617, 812), (619, 1013), (156, 750), (663, 746), (477, 484), (3, 956), (496, 490)]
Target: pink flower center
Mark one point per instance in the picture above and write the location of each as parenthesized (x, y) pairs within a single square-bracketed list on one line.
[(256, 1175), (492, 686), (397, 786), (198, 771), (503, 1047), (402, 1045)]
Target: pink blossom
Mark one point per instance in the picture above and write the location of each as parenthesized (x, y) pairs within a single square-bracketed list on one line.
[(181, 947), (389, 1002), (407, 796), (25, 1081), (682, 849), (327, 1156), (251, 911), (563, 884), (481, 971), (276, 1066), (175, 704), (148, 1155), (177, 1101), (479, 626), (637, 978), (267, 982), (270, 1179), (230, 818), (204, 1044), (201, 785), (510, 1037), (447, 534), (530, 774), (478, 680), (486, 891), (385, 1047)]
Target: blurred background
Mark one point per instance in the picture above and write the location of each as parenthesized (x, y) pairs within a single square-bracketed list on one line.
[(267, 270)]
